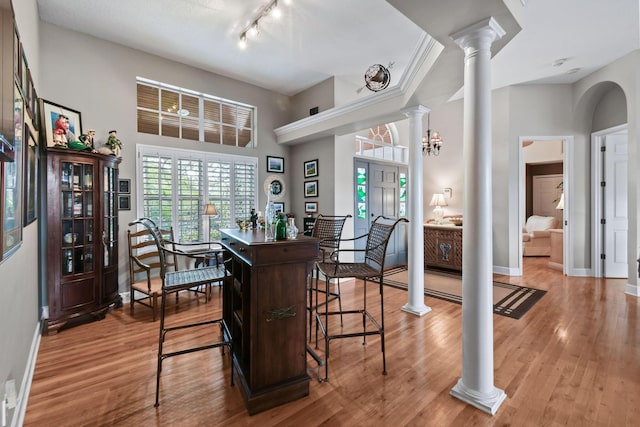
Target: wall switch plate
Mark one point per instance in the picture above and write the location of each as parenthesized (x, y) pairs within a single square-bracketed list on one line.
[(447, 193)]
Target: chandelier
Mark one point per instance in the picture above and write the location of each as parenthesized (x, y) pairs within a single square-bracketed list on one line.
[(431, 142)]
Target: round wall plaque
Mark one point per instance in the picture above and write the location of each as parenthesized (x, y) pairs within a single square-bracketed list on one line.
[(274, 184)]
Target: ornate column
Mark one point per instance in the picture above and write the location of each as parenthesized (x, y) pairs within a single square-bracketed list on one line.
[(415, 305), (476, 385)]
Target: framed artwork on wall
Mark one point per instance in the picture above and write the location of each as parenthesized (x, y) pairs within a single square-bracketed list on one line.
[(311, 188), (124, 203), (124, 186), (279, 206), (311, 168), (311, 207), (30, 177), (61, 124), (275, 164)]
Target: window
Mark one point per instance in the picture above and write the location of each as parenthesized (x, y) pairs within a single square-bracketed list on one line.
[(181, 113), (174, 186), (380, 145)]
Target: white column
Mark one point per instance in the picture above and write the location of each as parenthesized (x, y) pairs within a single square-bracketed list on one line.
[(476, 385), (415, 305)]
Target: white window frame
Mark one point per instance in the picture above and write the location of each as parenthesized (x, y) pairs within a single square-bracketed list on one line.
[(205, 157)]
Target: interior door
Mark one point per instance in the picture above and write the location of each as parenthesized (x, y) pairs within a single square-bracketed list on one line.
[(615, 225)]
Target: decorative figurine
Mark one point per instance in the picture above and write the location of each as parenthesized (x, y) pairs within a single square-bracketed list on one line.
[(114, 143), (254, 219), (87, 139)]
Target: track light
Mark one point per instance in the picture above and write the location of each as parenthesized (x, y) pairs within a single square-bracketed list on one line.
[(252, 31)]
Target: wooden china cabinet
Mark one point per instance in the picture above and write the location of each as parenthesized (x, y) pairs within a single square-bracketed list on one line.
[(82, 236)]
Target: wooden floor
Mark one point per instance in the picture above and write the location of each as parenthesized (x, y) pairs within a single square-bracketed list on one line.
[(573, 359)]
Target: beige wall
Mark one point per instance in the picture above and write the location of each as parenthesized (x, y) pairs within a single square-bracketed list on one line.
[(102, 86)]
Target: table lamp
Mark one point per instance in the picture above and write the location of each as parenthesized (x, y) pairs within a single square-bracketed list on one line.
[(438, 201)]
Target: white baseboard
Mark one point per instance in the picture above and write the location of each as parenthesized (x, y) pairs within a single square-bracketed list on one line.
[(580, 272), (632, 290), (23, 395), (507, 271)]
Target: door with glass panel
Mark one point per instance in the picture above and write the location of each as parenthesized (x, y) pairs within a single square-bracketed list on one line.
[(381, 189)]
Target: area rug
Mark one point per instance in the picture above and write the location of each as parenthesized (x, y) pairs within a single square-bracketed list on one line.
[(508, 300)]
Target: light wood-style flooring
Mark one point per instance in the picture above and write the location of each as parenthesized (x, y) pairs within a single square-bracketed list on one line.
[(573, 359)]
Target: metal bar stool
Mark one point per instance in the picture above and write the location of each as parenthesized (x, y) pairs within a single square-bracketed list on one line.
[(371, 269), (173, 281)]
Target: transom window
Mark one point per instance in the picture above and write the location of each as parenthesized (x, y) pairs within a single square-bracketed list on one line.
[(175, 185), (380, 145), (182, 113)]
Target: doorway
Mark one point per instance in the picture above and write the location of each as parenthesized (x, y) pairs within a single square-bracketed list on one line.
[(550, 150), (380, 190)]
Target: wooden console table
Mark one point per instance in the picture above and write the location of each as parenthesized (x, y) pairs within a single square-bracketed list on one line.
[(443, 246), (264, 310)]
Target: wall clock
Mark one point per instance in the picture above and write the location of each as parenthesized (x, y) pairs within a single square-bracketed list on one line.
[(274, 185)]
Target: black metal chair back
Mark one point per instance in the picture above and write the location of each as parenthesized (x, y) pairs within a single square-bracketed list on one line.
[(328, 229)]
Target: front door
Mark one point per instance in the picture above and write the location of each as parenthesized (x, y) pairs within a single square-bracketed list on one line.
[(378, 189)]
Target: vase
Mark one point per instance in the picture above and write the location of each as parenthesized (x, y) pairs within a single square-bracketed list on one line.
[(292, 230)]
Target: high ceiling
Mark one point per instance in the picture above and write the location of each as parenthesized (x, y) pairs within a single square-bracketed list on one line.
[(314, 40)]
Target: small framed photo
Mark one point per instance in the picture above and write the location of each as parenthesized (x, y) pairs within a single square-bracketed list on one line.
[(311, 168), (59, 122), (311, 188), (275, 164), (279, 206), (311, 207), (124, 186), (124, 203)]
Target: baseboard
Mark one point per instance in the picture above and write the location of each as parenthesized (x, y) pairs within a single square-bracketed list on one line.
[(580, 272), (507, 271), (632, 290), (23, 395)]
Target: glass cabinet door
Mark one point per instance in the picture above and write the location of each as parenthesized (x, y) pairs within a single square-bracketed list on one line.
[(110, 232), (76, 187)]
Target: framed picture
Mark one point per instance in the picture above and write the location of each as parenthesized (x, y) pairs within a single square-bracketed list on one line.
[(124, 203), (12, 187), (311, 168), (17, 64), (25, 72), (35, 105), (275, 164), (311, 207), (28, 97), (279, 206), (124, 186), (30, 178), (311, 188), (61, 124)]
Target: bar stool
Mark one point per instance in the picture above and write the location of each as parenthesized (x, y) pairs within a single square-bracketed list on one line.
[(328, 229), (174, 281), (372, 268)]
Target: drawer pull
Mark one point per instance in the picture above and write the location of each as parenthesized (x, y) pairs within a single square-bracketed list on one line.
[(241, 249)]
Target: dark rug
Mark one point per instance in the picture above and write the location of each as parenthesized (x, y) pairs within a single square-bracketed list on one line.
[(508, 300)]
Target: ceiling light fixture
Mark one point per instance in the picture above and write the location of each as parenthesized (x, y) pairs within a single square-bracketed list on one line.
[(431, 142), (252, 31)]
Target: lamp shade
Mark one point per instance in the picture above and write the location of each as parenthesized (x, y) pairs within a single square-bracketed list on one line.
[(561, 202), (438, 200), (210, 209)]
